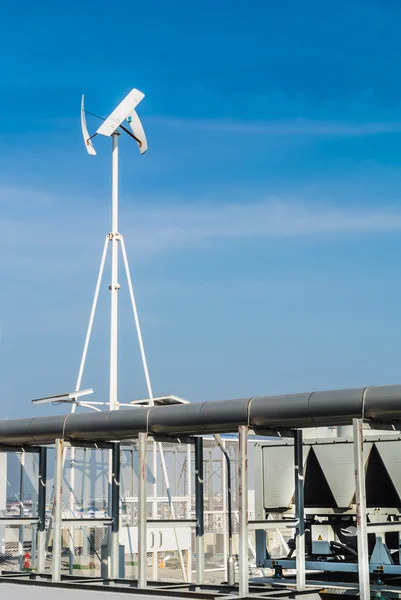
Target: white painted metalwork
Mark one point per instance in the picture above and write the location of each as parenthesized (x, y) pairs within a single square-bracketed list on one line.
[(69, 397), (114, 239), (21, 503), (57, 513), (142, 520), (361, 517), (243, 510)]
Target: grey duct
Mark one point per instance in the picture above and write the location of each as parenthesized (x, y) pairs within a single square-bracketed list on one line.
[(337, 407)]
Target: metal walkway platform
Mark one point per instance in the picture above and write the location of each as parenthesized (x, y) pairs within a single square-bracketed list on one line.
[(37, 587)]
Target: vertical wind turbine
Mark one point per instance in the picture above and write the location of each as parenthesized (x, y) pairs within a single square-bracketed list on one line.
[(111, 127)]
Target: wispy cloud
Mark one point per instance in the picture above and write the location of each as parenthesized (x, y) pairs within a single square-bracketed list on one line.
[(52, 241), (161, 227), (291, 127)]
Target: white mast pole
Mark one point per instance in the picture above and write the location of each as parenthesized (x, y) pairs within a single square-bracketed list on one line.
[(115, 237), (113, 399)]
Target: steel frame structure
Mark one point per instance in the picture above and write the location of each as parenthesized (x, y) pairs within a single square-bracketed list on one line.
[(363, 566), (112, 523), (159, 421)]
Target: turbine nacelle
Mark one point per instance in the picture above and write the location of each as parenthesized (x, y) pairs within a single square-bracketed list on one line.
[(125, 111)]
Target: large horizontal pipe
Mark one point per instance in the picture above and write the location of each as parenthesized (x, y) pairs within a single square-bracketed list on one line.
[(337, 407)]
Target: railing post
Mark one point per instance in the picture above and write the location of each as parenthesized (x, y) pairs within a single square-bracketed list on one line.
[(42, 509), (58, 513), (142, 510), (199, 508), (299, 509), (361, 522), (115, 511), (243, 510)]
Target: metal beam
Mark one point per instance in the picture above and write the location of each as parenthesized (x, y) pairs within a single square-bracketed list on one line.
[(21, 504), (168, 523), (361, 521), (88, 522), (299, 509), (90, 445), (243, 510), (42, 510), (387, 527), (57, 513), (173, 439), (19, 521), (142, 510), (227, 510), (264, 524), (189, 507), (20, 448), (260, 515), (115, 508), (199, 510), (331, 566)]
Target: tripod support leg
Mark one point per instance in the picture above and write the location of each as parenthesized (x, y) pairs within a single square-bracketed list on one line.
[(91, 318), (150, 393)]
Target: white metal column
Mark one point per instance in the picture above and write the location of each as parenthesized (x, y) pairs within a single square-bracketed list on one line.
[(243, 510), (361, 522), (224, 509), (71, 532), (21, 511), (3, 500), (155, 556), (114, 287), (150, 393), (57, 513), (189, 508), (34, 528), (142, 510)]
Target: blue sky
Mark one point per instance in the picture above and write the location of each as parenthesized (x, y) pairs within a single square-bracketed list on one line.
[(263, 226)]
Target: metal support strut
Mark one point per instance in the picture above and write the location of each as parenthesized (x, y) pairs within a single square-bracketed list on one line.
[(115, 508), (142, 509), (243, 510), (227, 479), (42, 510), (21, 510), (114, 287), (299, 509), (199, 508), (57, 513), (361, 521)]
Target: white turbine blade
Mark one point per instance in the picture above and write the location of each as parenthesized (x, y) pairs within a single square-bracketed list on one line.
[(88, 142), (120, 113), (137, 130)]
